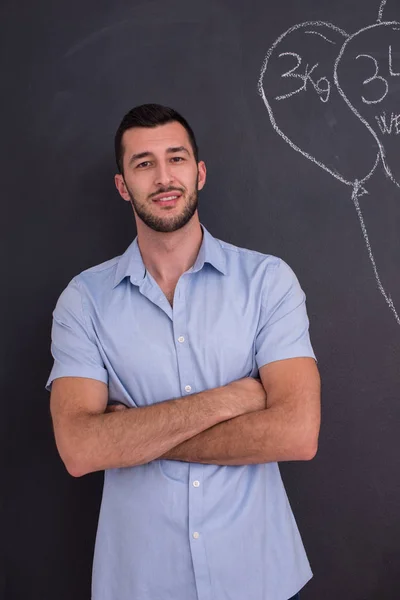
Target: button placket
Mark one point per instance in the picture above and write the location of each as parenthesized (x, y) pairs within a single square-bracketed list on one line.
[(196, 532), (182, 343), (195, 482)]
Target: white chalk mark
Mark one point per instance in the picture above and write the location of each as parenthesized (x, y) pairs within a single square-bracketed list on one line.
[(356, 194), (393, 74), (321, 91), (374, 76), (318, 33), (388, 126), (367, 177), (353, 108), (381, 9), (292, 73), (305, 79)]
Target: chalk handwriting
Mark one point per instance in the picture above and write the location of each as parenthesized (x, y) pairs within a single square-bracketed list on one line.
[(305, 78), (375, 77), (389, 126), (393, 74)]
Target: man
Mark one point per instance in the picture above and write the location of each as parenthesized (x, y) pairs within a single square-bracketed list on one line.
[(184, 369)]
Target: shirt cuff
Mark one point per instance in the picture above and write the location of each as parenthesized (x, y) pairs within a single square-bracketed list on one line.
[(60, 370), (269, 356)]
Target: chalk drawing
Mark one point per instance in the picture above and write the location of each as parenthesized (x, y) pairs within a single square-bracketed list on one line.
[(388, 26), (355, 197), (375, 90), (305, 78), (320, 34), (388, 126), (374, 77), (381, 9), (392, 73)]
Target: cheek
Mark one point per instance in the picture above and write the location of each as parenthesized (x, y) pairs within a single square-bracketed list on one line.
[(139, 187), (190, 181)]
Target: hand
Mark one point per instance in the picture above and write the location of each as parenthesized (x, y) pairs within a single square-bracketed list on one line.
[(250, 394)]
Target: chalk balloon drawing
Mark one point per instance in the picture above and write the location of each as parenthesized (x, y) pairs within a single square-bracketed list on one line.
[(315, 69), (371, 78)]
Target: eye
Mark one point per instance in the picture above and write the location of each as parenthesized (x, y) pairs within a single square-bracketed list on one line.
[(143, 164), (177, 159)]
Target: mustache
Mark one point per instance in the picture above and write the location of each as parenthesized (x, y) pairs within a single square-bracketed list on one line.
[(164, 190)]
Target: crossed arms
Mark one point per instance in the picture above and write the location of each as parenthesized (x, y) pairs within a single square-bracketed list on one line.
[(247, 421)]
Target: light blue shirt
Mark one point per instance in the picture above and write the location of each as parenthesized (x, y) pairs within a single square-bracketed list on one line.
[(171, 530)]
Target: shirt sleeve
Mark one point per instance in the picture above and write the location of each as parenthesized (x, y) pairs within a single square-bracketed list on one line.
[(75, 353), (283, 329)]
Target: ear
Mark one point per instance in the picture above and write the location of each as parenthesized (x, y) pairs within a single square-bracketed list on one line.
[(202, 174), (121, 187)]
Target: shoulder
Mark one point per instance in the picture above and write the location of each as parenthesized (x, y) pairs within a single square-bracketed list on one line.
[(251, 258), (267, 273), (94, 281), (98, 277)]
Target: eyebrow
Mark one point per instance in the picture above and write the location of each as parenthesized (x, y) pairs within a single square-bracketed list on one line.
[(146, 153), (139, 156), (177, 149)]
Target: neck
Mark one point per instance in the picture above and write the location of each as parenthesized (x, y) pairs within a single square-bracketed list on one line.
[(167, 255)]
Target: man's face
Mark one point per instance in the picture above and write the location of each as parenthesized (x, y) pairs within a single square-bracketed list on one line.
[(161, 177)]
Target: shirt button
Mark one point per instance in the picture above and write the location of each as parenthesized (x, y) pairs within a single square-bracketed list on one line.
[(181, 339), (196, 535), (188, 388), (196, 483)]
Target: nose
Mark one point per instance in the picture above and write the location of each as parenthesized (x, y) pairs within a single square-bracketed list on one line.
[(164, 176)]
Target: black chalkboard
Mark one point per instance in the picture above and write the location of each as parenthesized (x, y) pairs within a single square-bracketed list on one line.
[(296, 109)]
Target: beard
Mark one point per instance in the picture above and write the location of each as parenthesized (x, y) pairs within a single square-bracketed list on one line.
[(166, 225)]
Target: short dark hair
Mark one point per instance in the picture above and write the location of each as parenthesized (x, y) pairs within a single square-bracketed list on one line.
[(150, 115)]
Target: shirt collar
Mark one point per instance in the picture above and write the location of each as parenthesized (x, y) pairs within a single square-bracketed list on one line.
[(131, 264), (210, 252)]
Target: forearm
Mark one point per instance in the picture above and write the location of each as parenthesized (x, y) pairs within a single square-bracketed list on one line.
[(259, 437), (137, 436)]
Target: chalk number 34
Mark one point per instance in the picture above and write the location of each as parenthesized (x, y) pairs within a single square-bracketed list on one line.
[(376, 77)]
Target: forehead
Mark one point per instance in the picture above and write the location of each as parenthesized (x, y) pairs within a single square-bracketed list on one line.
[(155, 139)]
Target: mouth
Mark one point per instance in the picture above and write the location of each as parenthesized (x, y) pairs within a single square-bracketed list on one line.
[(167, 198)]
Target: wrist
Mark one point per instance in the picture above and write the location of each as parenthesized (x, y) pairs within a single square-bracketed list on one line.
[(232, 400)]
